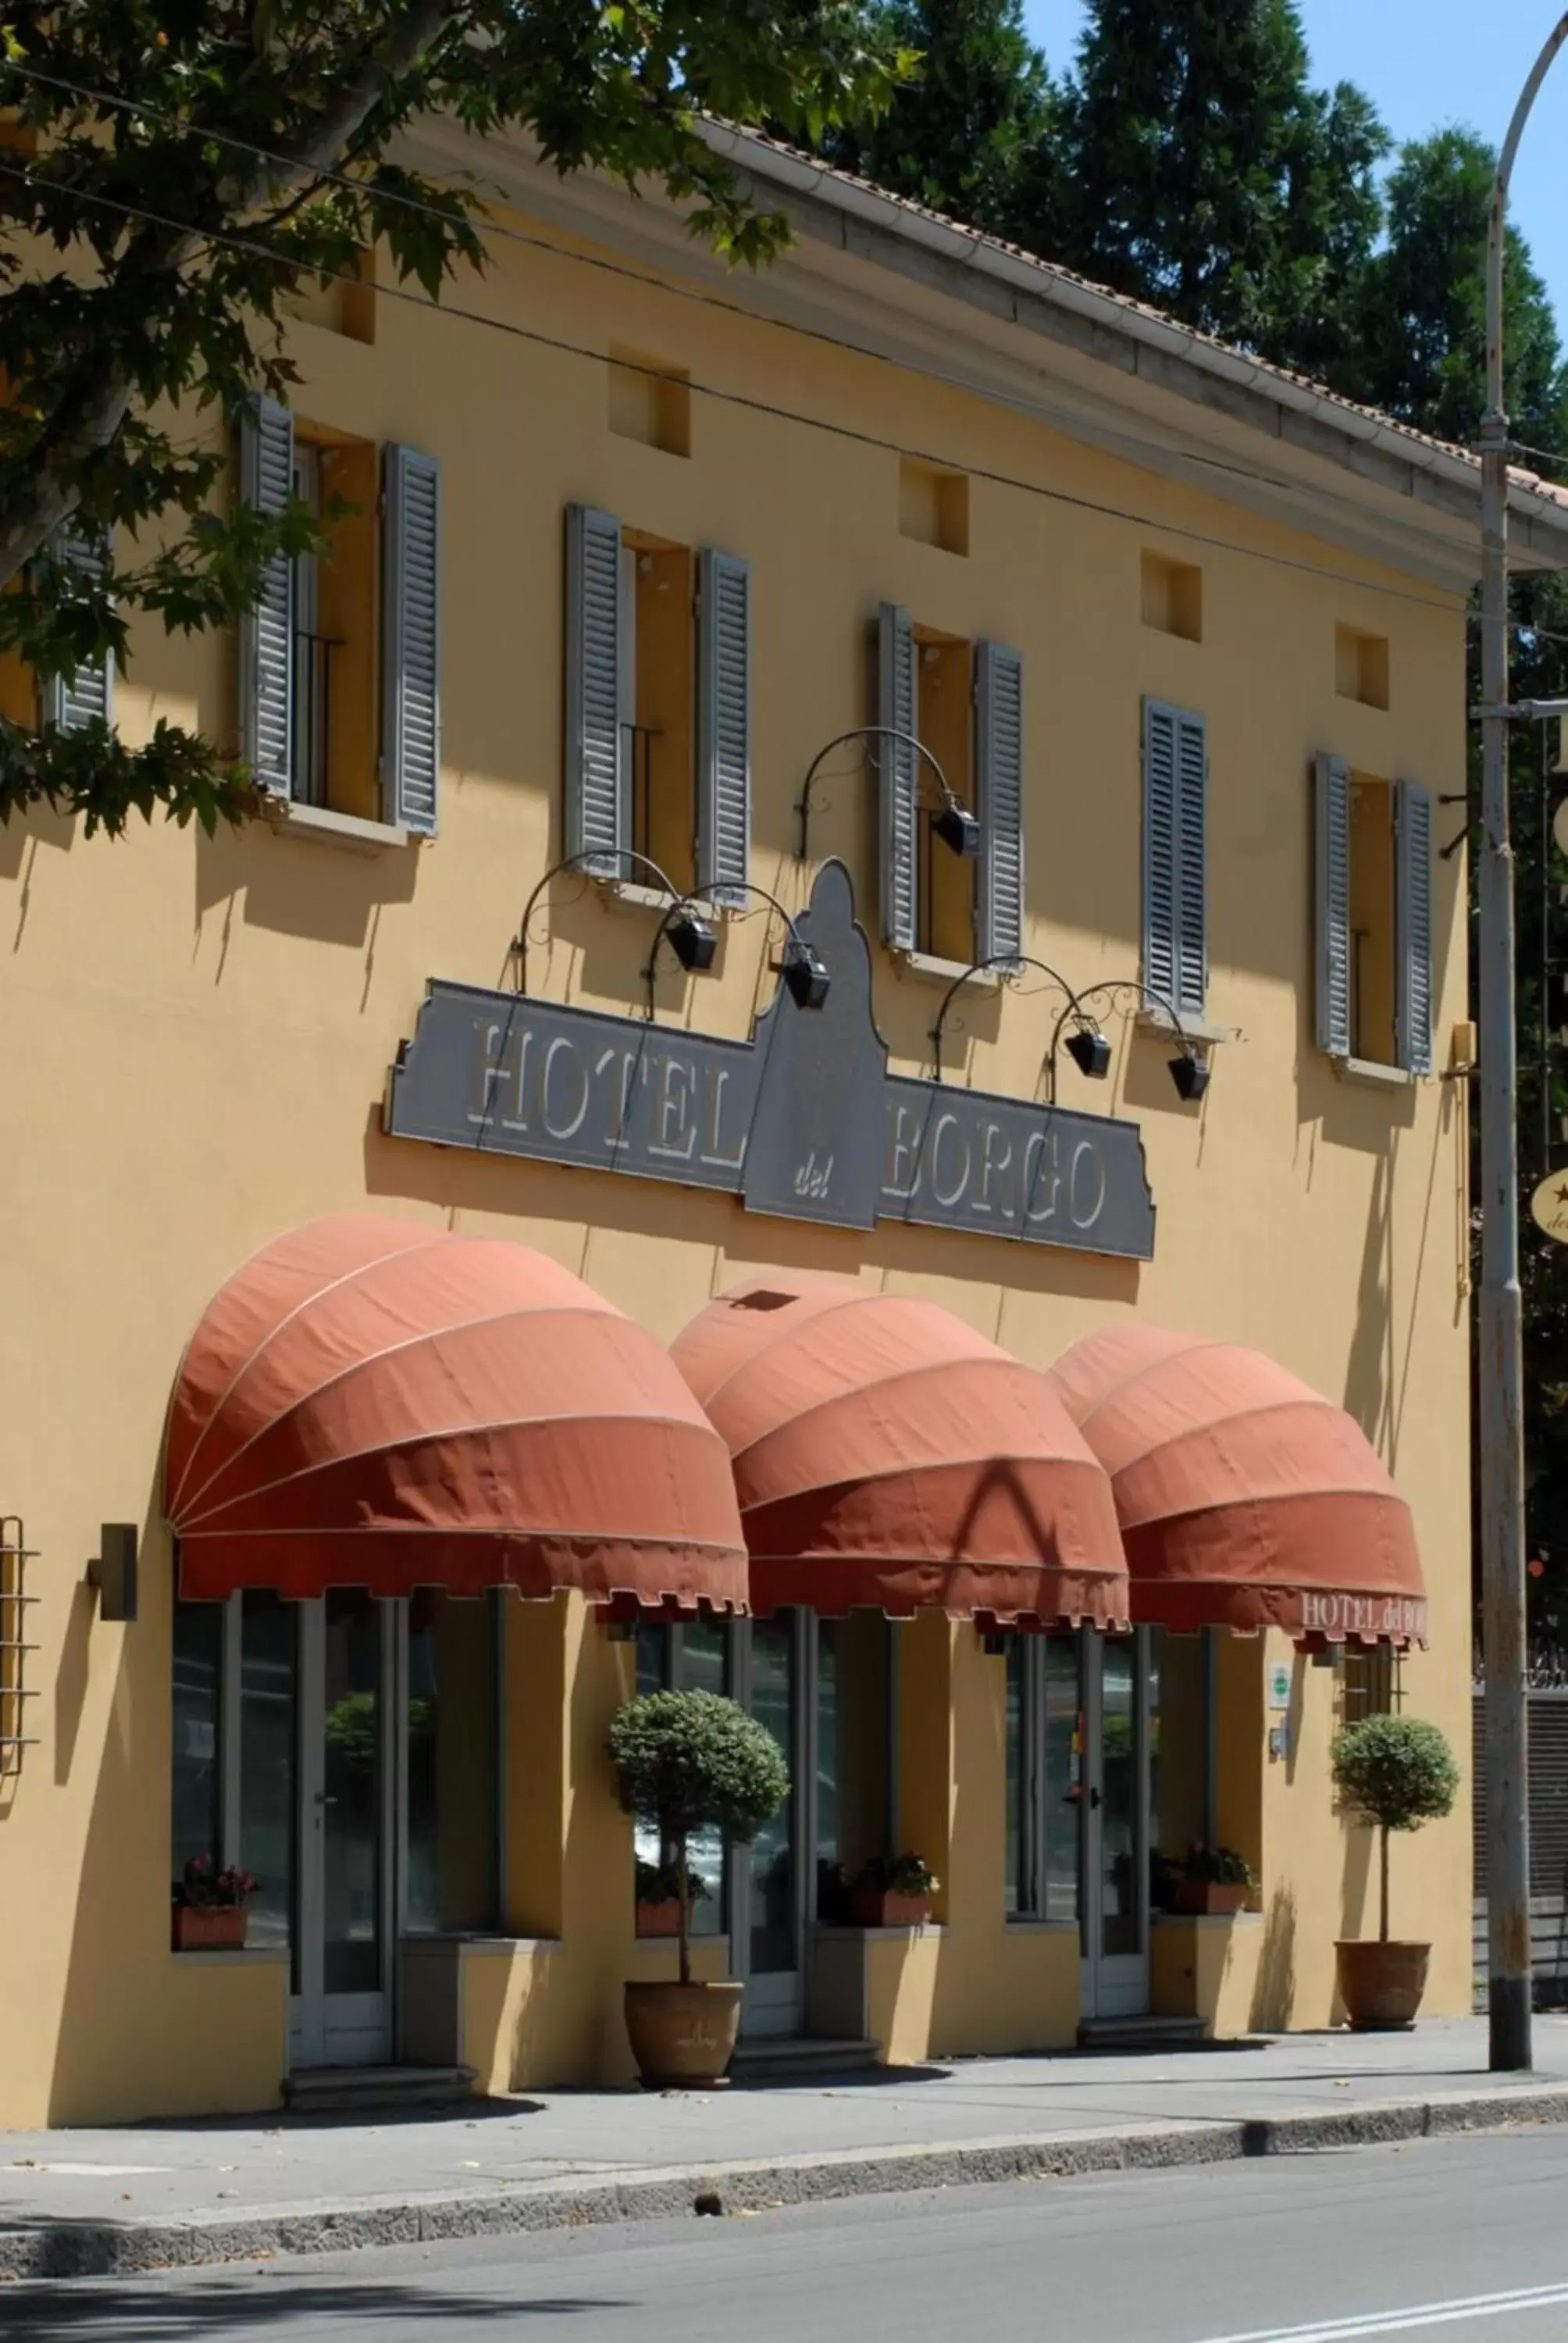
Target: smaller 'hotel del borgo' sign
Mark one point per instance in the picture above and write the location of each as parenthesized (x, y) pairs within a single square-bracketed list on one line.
[(803, 1121)]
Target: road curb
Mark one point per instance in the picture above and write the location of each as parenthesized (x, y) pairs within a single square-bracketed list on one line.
[(57, 2247)]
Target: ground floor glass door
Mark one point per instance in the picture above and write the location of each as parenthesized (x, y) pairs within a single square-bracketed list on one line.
[(341, 2013), (773, 1666), (1119, 1731)]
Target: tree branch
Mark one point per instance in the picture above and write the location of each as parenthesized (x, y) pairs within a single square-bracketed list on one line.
[(95, 400)]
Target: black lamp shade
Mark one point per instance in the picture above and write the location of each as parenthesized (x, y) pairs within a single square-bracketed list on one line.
[(1091, 1052), (694, 944), (805, 975), (959, 830), (1191, 1076)]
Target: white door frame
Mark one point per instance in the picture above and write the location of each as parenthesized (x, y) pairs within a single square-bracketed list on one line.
[(1118, 1984), (775, 2003), (347, 2029)]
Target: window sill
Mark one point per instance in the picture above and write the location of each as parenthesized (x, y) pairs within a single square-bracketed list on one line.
[(472, 1940), (1196, 1028), (948, 972), (348, 831), (239, 1956), (633, 892), (1203, 1919), (833, 1933), (1376, 1075)]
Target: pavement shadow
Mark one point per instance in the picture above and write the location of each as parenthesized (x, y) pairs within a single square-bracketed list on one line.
[(134, 2311), (287, 2119)]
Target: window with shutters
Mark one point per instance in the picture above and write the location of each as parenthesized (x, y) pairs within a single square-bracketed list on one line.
[(1175, 857), (963, 701), (1374, 890), (339, 683), (658, 708)]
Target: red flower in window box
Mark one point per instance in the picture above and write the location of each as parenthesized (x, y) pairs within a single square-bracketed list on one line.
[(209, 1909)]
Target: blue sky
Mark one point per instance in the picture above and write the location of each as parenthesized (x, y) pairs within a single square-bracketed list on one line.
[(1427, 63)]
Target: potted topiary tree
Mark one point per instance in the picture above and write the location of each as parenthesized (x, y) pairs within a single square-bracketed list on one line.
[(1396, 1773), (688, 1762)]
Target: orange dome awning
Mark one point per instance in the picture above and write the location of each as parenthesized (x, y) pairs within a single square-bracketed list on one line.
[(1246, 1499), (371, 1402), (887, 1456)]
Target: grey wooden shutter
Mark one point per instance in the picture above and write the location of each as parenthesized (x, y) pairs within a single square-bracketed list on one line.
[(898, 710), (1159, 848), (1413, 926), (723, 726), (1332, 825), (411, 640), (598, 767), (86, 696), (1191, 864), (999, 766), (267, 632)]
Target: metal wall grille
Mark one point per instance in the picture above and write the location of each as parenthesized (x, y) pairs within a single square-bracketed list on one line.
[(14, 1604)]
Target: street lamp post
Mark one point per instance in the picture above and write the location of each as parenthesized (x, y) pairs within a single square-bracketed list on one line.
[(1500, 1345)]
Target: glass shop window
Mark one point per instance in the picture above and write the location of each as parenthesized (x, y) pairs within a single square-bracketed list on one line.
[(197, 1772), (856, 1805), (268, 1740), (1043, 1764), (691, 1656)]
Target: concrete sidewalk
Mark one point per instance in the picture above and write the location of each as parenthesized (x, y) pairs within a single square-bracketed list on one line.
[(79, 2203)]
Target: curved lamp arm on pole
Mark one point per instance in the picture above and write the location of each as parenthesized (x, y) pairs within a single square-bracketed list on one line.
[(804, 972), (584, 864), (870, 732), (1189, 1057), (1000, 960)]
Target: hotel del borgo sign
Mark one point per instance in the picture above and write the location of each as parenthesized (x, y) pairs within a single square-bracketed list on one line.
[(803, 1121)]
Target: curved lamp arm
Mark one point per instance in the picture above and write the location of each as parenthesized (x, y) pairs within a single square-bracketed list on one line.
[(583, 862), (795, 941), (1003, 959), (865, 733), (1118, 984)]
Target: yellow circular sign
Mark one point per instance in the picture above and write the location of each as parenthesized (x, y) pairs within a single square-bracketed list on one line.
[(1549, 1206)]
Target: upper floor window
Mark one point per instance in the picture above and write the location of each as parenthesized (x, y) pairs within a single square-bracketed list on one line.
[(1175, 857), (1374, 891), (659, 706), (339, 685), (65, 703), (964, 702)]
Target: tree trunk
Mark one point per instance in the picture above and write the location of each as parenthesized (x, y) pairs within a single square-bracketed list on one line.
[(1383, 1871), (683, 1877)]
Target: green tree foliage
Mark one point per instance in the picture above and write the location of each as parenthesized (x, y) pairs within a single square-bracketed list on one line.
[(1416, 345), (974, 132), (693, 1761), (1397, 1772), (1207, 176), (178, 168)]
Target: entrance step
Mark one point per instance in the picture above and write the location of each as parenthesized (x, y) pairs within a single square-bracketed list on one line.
[(1140, 2033), (797, 2057), (354, 2090)]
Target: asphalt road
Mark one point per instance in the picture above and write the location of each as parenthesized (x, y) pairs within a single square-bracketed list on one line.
[(1458, 2239)]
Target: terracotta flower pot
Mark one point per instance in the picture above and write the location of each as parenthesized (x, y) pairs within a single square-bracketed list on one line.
[(884, 1908), (660, 1919), (208, 1927), (1207, 1897), (682, 2035), (1380, 1985)]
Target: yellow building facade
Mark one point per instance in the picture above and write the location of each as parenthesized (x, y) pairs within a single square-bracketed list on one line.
[(1187, 638)]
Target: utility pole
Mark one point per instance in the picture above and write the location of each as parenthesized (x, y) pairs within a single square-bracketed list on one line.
[(1501, 1346)]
